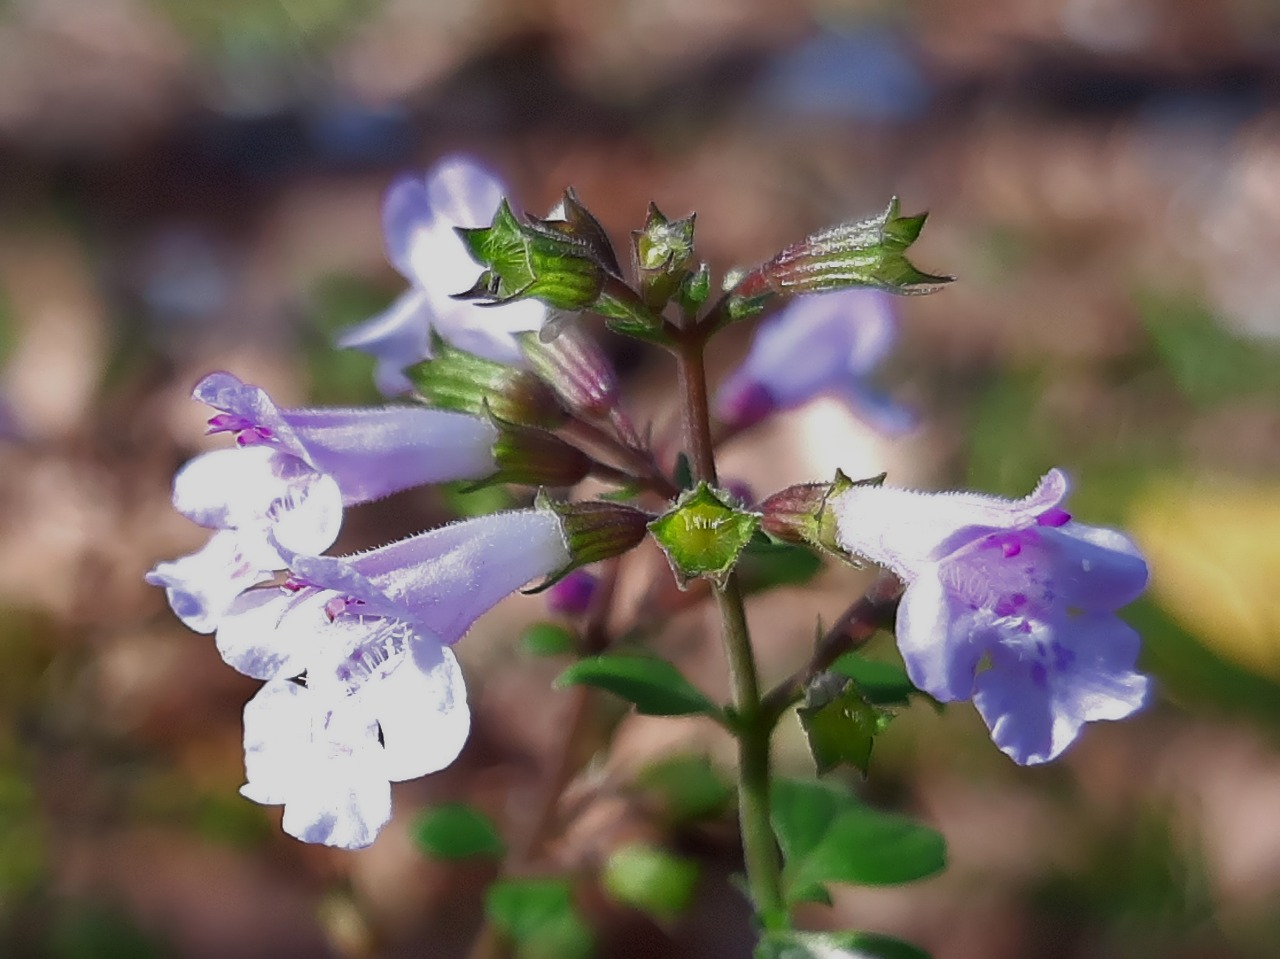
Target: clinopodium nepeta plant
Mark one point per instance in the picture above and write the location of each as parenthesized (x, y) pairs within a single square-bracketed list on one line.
[(495, 377)]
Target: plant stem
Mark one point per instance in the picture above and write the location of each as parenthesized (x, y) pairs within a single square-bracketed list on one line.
[(692, 370), (754, 731), (851, 631), (489, 943)]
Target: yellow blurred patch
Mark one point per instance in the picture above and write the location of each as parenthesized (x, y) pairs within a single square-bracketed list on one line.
[(1214, 552)]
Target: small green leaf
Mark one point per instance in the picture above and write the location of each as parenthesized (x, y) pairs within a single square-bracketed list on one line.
[(538, 915), (687, 787), (457, 831), (827, 836), (835, 945), (840, 724), (882, 684), (547, 639), (767, 565), (651, 880), (654, 686), (703, 534)]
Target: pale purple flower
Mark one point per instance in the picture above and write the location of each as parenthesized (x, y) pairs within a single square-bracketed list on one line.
[(1010, 603), (285, 484), (823, 344), (361, 687), (418, 219)]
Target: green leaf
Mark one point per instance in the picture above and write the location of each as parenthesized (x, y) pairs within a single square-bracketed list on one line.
[(547, 639), (840, 724), (835, 945), (654, 686), (687, 787), (703, 534), (882, 684), (538, 915), (457, 831), (767, 565), (827, 836), (651, 880)]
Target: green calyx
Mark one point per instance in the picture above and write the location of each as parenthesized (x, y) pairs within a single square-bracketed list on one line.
[(454, 379), (869, 253), (562, 261), (593, 530), (662, 253), (703, 535), (804, 514)]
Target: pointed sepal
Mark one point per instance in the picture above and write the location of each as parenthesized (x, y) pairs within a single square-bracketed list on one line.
[(454, 379), (870, 252), (703, 534)]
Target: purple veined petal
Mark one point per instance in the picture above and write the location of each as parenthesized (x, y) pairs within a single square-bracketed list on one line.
[(251, 406), (1044, 686), (877, 410), (398, 337), (341, 797), (941, 639), (262, 492), (872, 325), (792, 357), (377, 451), (488, 331), (463, 192), (202, 586), (1095, 568), (447, 578), (266, 635), (277, 726), (1102, 682), (460, 193), (907, 531), (422, 710), (406, 212)]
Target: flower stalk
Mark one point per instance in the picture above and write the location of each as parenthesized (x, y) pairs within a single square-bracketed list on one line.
[(754, 726)]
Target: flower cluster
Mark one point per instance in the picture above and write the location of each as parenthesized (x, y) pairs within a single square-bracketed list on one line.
[(1009, 603)]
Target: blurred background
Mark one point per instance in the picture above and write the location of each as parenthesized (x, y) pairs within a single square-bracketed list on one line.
[(188, 186)]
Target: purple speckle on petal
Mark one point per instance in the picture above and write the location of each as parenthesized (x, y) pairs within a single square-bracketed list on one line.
[(1039, 675), (1053, 517)]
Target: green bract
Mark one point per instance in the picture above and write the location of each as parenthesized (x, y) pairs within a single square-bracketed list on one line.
[(702, 534), (841, 725), (541, 259)]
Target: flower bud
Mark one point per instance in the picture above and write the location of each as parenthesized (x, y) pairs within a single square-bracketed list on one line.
[(454, 379), (575, 367), (663, 252)]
